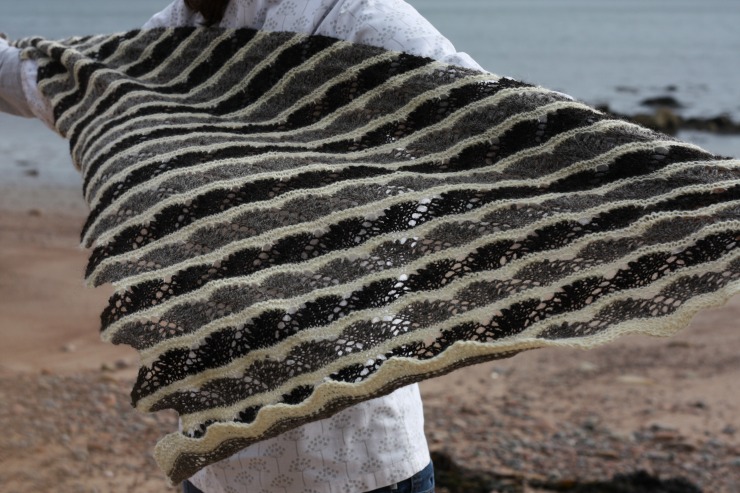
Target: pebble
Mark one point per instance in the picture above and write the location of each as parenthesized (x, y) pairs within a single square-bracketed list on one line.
[(18, 410), (655, 455), (109, 400), (729, 430), (80, 454), (587, 367), (607, 454), (700, 405), (635, 380), (590, 423), (69, 347), (660, 427)]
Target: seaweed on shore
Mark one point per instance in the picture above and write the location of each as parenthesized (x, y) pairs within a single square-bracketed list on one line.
[(454, 478)]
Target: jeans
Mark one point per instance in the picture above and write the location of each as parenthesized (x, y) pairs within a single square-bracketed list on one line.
[(421, 482)]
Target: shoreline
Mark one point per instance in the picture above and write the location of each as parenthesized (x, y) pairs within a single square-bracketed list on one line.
[(667, 119)]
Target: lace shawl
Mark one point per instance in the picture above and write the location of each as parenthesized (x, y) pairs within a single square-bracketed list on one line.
[(296, 224)]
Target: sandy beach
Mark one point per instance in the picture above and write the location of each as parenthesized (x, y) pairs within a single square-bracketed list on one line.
[(541, 420)]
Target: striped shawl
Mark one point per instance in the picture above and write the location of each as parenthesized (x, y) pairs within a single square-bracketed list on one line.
[(296, 224)]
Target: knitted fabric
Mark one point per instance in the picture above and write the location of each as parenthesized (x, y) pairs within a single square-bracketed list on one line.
[(296, 224)]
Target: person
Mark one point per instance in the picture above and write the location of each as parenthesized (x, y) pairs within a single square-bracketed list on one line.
[(378, 445)]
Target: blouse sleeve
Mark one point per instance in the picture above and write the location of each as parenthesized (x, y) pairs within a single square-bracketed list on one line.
[(394, 25), (12, 97)]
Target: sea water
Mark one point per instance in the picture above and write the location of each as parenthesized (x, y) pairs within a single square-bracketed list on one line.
[(615, 52)]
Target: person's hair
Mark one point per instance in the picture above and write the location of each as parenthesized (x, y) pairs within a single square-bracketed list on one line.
[(211, 10)]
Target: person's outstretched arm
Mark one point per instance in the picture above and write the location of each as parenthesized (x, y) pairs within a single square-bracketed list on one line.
[(12, 98)]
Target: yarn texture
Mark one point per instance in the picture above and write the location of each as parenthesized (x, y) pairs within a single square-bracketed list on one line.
[(295, 224)]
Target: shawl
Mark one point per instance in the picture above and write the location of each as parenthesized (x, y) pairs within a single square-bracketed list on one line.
[(294, 224)]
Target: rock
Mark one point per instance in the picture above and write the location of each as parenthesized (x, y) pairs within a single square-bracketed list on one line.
[(607, 454), (18, 410), (69, 347), (109, 400), (107, 377), (590, 423), (80, 454), (660, 427), (700, 405), (659, 121), (638, 482), (587, 367), (679, 344), (662, 102), (720, 124), (661, 456), (635, 380), (627, 89), (667, 121), (729, 430)]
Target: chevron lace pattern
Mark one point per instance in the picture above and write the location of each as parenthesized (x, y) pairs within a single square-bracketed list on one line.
[(295, 224)]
